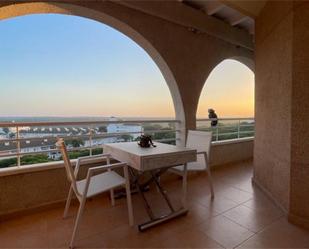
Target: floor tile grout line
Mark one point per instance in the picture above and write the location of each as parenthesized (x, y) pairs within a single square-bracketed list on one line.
[(257, 233), (249, 228)]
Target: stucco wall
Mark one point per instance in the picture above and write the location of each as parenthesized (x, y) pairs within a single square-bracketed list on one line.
[(34, 188), (231, 151), (273, 91), (299, 193), (281, 156)]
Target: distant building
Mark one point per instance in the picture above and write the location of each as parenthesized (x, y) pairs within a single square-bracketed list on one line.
[(42, 144), (136, 129)]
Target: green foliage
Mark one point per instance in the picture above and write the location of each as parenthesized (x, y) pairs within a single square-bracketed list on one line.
[(75, 142), (102, 129), (126, 138), (165, 135), (160, 135), (25, 160), (152, 127), (8, 162), (42, 158), (230, 130), (80, 153), (76, 154), (32, 159)]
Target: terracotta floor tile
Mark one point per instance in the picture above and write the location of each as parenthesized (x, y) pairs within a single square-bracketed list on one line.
[(224, 231), (280, 234), (250, 219), (192, 238), (235, 195), (226, 220), (261, 202), (218, 204)]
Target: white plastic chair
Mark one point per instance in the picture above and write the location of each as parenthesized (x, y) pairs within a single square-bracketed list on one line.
[(201, 141), (95, 183)]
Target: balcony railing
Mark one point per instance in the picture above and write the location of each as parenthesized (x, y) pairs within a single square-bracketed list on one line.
[(18, 140), (228, 128), (21, 140)]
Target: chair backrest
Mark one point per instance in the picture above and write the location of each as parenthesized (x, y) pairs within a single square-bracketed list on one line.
[(67, 163), (199, 140)]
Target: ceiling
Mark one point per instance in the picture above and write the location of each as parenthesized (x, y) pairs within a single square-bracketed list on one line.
[(247, 7), (237, 13)]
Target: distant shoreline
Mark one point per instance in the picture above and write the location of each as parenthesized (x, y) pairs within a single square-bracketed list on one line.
[(84, 118), (71, 118)]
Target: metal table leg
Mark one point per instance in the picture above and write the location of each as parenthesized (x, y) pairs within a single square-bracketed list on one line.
[(157, 220), (140, 191)]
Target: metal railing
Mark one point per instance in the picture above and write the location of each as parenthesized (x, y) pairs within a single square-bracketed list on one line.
[(21, 138), (90, 134), (228, 128)]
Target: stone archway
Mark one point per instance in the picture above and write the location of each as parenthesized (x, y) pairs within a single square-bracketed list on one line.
[(20, 9), (249, 62)]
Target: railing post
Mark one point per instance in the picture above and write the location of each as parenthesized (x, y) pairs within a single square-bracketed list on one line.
[(18, 146), (90, 140), (238, 129), (217, 133)]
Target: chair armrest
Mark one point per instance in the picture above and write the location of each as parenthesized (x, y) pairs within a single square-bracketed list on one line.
[(201, 152), (93, 170), (95, 156)]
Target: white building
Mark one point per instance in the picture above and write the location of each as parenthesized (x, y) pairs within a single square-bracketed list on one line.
[(125, 128)]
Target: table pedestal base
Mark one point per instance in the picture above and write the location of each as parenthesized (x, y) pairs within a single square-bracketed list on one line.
[(155, 177), (156, 221)]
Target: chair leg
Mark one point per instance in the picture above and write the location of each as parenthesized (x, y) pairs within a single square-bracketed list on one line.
[(111, 191), (68, 202), (159, 180), (79, 215), (128, 194), (210, 183), (112, 197), (184, 186)]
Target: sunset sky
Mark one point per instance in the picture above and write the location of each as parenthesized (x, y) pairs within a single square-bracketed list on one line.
[(57, 65)]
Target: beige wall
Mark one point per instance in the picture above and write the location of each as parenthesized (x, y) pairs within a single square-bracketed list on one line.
[(226, 152), (281, 156), (299, 193), (273, 100)]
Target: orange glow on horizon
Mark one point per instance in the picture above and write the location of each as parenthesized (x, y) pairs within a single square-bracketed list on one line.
[(229, 90)]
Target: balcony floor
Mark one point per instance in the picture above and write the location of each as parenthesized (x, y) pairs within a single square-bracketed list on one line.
[(239, 216)]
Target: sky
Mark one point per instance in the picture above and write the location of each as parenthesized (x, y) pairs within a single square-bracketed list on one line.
[(59, 65), (229, 90)]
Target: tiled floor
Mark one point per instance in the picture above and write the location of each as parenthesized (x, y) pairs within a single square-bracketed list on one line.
[(239, 216)]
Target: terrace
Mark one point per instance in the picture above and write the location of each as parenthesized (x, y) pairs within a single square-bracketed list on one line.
[(259, 165), (240, 216)]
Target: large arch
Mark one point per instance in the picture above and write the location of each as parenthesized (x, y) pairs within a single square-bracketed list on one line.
[(21, 9)]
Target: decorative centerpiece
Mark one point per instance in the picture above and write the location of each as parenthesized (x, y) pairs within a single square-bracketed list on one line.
[(145, 141)]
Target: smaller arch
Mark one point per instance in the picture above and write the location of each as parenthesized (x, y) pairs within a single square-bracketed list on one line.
[(224, 95), (249, 62)]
